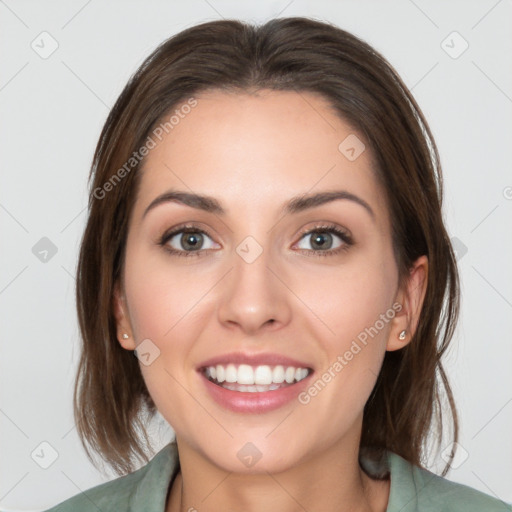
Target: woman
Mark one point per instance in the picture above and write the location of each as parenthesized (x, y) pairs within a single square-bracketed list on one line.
[(265, 235)]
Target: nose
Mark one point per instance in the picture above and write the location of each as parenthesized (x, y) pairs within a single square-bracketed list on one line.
[(253, 298)]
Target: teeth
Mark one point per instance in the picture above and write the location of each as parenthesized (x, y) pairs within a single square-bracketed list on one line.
[(245, 375), (221, 373), (231, 373), (252, 378), (263, 375), (289, 374), (251, 389), (278, 374)]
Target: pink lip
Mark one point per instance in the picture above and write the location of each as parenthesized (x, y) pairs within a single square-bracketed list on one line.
[(253, 360), (254, 402)]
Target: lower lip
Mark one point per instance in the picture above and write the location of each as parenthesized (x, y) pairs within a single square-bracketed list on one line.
[(258, 402)]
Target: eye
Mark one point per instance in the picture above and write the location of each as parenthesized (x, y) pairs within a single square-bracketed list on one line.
[(325, 240), (187, 241)]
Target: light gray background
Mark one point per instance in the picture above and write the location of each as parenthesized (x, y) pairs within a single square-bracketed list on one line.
[(52, 111)]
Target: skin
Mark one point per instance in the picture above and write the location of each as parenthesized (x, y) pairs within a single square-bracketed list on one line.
[(253, 153)]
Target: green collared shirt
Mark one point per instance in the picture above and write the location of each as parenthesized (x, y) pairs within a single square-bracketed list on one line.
[(413, 489)]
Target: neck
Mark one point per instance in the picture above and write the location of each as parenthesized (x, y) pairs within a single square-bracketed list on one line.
[(330, 481)]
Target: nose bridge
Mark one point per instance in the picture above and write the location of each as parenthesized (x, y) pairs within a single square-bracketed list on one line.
[(253, 295)]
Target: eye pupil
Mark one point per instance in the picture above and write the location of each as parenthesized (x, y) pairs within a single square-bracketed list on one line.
[(320, 240), (191, 240)]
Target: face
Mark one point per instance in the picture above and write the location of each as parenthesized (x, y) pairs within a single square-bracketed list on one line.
[(251, 284)]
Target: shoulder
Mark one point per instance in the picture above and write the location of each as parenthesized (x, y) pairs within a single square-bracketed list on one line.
[(144, 489), (114, 495), (414, 488)]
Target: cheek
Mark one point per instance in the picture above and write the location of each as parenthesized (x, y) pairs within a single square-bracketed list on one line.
[(160, 301), (162, 296), (356, 315), (361, 304), (353, 315), (168, 305), (348, 299)]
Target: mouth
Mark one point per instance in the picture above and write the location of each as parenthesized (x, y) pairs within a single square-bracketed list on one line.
[(246, 378)]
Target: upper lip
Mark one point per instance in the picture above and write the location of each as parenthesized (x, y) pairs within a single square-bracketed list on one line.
[(258, 359)]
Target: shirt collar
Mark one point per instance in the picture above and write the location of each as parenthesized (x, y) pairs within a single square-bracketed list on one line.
[(150, 494)]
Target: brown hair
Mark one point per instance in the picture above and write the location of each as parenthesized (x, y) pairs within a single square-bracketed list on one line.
[(290, 54)]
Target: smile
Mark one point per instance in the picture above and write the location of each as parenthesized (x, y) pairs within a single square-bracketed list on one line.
[(254, 389), (253, 379)]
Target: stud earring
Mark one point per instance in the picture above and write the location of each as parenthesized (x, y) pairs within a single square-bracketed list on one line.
[(125, 336), (401, 336)]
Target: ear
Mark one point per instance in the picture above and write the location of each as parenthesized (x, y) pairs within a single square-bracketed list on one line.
[(123, 324), (410, 297)]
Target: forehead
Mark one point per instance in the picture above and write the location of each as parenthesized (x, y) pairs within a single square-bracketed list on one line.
[(255, 151)]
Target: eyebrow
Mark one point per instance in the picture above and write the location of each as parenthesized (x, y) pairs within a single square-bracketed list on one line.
[(295, 205)]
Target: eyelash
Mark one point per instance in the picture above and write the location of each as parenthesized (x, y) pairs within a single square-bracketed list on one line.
[(322, 228)]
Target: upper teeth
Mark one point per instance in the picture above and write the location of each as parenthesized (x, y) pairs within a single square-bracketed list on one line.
[(246, 374)]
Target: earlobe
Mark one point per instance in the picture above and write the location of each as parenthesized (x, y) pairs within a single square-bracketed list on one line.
[(123, 327), (411, 298)]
